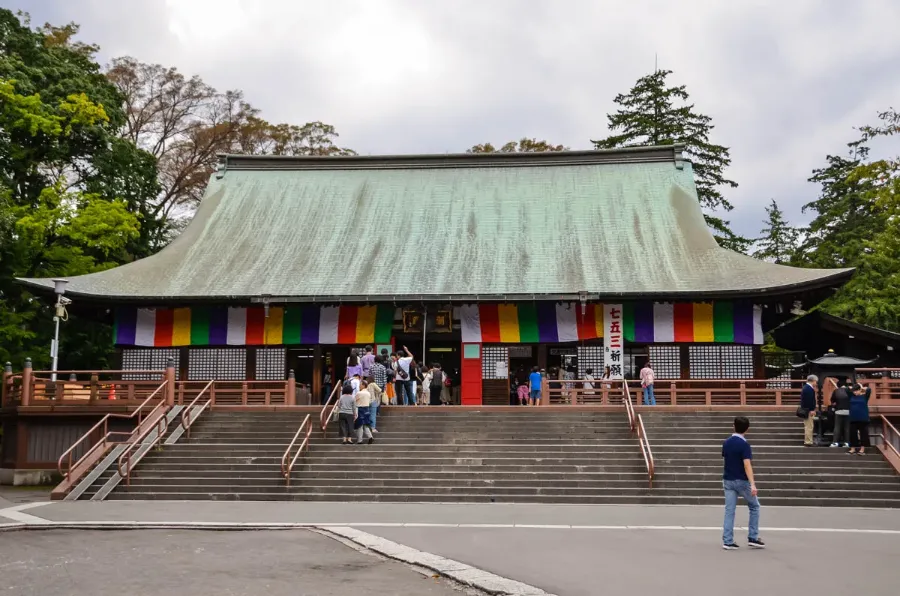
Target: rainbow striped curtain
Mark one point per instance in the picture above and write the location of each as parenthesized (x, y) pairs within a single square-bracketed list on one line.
[(198, 326)]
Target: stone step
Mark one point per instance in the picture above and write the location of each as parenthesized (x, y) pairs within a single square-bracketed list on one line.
[(804, 501)]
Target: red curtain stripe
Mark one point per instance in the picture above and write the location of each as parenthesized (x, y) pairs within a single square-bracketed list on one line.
[(165, 327), (490, 323), (684, 322), (347, 324), (256, 326)]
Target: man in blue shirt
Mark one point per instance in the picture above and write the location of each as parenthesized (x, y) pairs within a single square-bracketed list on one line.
[(737, 480), (534, 380)]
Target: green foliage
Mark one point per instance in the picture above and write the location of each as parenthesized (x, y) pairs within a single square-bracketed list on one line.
[(653, 113), (779, 239), (73, 196), (858, 225), (524, 145)]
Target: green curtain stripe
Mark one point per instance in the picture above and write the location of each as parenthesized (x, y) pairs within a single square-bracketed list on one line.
[(293, 325), (528, 323), (628, 321), (723, 322), (384, 323), (199, 326)]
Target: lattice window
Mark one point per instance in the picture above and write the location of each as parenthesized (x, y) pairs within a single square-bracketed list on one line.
[(147, 359), (666, 361), (737, 362), (590, 357), (491, 356), (270, 364), (721, 362), (219, 364)]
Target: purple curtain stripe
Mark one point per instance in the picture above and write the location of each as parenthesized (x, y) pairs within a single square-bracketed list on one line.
[(218, 326), (643, 322), (743, 323), (309, 325), (546, 314), (126, 326)]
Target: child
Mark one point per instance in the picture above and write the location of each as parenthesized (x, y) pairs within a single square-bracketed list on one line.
[(535, 380), (347, 413)]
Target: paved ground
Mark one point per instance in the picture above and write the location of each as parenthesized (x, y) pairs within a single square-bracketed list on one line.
[(591, 562), (150, 563), (356, 514), (16, 495), (563, 549)]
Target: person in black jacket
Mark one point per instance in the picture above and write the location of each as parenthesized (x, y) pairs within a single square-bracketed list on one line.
[(859, 419), (840, 399), (808, 403)]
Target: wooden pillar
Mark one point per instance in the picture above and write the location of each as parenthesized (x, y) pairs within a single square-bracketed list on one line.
[(21, 443), (27, 382), (170, 385), (95, 388), (290, 394), (685, 361), (545, 391), (673, 391), (318, 374)]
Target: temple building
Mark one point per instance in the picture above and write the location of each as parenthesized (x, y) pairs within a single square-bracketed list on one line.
[(483, 262)]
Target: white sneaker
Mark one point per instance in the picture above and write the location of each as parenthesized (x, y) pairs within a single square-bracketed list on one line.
[(835, 445), (847, 445)]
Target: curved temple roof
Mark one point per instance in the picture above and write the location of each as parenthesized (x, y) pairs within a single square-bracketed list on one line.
[(608, 224)]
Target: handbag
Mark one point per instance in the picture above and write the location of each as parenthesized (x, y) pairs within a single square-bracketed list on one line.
[(802, 412)]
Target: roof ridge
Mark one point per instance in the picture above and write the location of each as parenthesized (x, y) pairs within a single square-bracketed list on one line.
[(623, 155)]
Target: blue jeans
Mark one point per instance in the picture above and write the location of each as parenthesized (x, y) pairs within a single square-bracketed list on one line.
[(733, 489), (373, 412), (649, 398), (404, 392)]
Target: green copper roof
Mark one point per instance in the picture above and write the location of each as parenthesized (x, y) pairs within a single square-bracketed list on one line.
[(606, 223)]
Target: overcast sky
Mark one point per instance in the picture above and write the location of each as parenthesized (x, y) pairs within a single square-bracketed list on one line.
[(784, 81)]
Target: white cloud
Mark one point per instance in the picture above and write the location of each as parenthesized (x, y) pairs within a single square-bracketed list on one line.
[(785, 82)]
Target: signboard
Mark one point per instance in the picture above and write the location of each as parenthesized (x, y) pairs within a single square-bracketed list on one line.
[(613, 340), (443, 321), (412, 321), (520, 351), (563, 351)]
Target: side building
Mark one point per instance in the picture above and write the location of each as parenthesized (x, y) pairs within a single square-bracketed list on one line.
[(484, 263)]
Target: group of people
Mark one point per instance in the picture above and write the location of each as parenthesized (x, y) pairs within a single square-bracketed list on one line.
[(375, 380), (849, 408)]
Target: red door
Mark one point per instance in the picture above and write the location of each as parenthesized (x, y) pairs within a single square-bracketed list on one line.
[(470, 371)]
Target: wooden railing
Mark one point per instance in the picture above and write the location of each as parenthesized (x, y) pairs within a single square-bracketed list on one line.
[(890, 443), (288, 466), (237, 393), (186, 420), (328, 409), (885, 382), (84, 386)]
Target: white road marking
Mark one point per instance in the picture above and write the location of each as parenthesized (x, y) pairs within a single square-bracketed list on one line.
[(461, 572), (15, 513)]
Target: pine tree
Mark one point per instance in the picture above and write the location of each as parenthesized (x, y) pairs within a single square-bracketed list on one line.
[(653, 113), (778, 242)]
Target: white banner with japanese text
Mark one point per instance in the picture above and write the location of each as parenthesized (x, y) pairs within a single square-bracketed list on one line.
[(613, 340)]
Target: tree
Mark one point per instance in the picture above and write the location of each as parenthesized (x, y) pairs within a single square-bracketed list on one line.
[(653, 113), (871, 192), (66, 206), (185, 123), (523, 145), (779, 239)]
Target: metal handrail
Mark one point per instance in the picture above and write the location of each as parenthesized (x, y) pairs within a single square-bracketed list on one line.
[(637, 425), (103, 422), (645, 449), (161, 424), (186, 421), (323, 417), (286, 467)]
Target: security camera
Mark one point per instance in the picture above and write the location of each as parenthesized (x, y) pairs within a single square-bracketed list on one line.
[(63, 301)]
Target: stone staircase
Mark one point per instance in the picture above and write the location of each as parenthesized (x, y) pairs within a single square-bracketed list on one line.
[(688, 454), (527, 455)]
